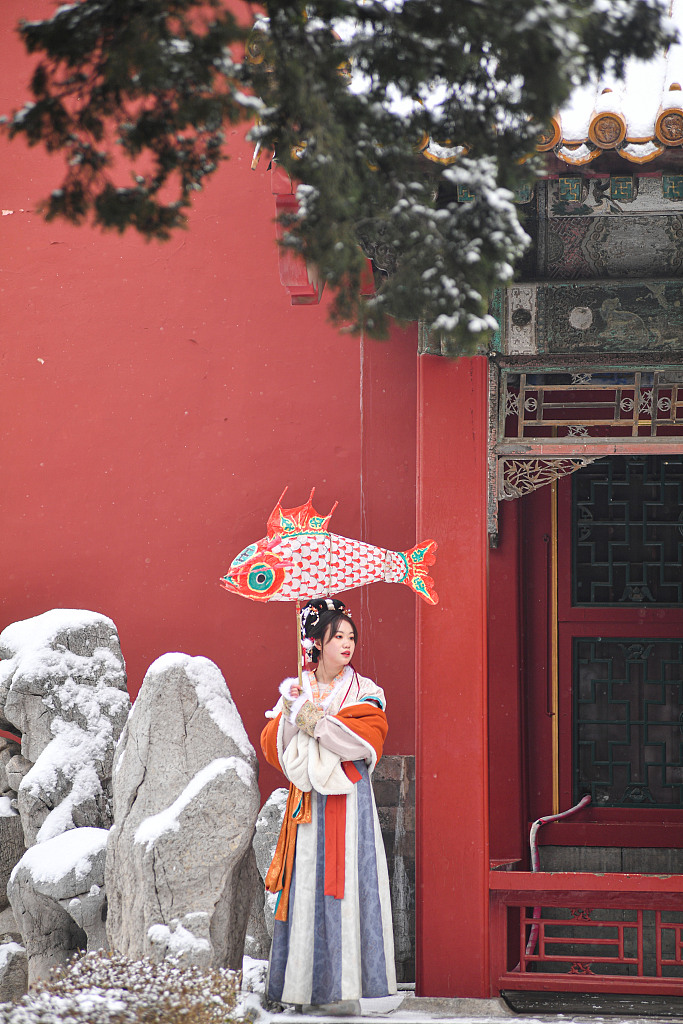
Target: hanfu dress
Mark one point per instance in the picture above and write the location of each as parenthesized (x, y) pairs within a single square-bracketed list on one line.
[(333, 938)]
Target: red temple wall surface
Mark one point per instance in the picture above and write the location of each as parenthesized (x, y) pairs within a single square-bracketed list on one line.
[(157, 398)]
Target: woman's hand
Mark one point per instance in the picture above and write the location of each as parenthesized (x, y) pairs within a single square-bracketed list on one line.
[(290, 690)]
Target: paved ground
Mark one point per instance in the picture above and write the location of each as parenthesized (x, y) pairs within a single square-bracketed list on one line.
[(415, 1010)]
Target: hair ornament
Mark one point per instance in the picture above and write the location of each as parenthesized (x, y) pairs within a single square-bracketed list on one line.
[(310, 617)]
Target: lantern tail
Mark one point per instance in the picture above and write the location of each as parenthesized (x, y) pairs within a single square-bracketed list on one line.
[(418, 579)]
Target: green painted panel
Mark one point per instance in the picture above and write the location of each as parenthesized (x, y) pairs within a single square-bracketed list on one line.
[(496, 308), (638, 316)]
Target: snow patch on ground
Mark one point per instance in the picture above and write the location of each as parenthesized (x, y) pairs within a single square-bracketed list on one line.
[(254, 974)]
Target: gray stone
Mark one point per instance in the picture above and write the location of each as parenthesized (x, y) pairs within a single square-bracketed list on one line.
[(258, 940), (9, 929), (13, 972), (89, 912), (268, 825), (54, 892), (15, 769), (8, 749), (11, 851), (63, 686), (180, 872)]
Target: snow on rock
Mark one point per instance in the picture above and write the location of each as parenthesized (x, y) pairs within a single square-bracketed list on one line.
[(13, 972), (56, 892), (180, 866), (43, 630), (6, 809), (176, 941), (63, 686), (210, 687), (70, 853), (168, 820)]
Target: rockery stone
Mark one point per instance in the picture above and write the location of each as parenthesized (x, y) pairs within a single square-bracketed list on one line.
[(63, 687), (180, 872), (56, 892)]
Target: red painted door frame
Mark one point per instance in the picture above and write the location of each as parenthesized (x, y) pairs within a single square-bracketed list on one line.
[(452, 814), (593, 826)]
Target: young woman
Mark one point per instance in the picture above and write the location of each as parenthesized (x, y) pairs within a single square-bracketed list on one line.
[(333, 940)]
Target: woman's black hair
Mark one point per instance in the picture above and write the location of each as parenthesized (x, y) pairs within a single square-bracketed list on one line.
[(321, 615)]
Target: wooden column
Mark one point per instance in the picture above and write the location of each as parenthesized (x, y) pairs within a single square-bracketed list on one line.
[(452, 845)]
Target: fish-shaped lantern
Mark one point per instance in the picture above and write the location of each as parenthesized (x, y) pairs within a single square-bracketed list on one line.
[(300, 559)]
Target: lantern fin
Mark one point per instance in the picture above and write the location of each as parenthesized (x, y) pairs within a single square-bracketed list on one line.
[(418, 579), (283, 522)]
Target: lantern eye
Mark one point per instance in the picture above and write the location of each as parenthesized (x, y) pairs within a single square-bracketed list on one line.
[(261, 578), (244, 555)]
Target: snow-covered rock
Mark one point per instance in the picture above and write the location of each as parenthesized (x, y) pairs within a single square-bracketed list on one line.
[(56, 892), (13, 972), (180, 871), (63, 686)]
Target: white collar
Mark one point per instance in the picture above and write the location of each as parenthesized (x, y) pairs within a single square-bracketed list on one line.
[(342, 679)]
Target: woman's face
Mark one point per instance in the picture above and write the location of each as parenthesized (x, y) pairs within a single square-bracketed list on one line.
[(338, 647)]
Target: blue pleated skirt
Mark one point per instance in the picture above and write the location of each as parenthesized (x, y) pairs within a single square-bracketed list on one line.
[(330, 949)]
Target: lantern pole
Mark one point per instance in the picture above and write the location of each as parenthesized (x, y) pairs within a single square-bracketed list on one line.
[(299, 652)]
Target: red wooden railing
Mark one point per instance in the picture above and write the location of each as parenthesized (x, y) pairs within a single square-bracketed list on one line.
[(586, 949)]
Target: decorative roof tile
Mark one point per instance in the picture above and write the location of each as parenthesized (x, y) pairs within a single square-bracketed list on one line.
[(639, 116)]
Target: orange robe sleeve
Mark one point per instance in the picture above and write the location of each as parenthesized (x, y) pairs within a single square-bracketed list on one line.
[(269, 742), (368, 722)]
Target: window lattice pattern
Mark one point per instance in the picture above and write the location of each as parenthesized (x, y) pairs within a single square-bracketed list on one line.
[(629, 404), (628, 722), (627, 531)]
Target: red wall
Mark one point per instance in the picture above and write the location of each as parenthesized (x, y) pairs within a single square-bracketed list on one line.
[(451, 796), (155, 399)]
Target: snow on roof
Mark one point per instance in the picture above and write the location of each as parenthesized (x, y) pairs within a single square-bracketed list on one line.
[(639, 116)]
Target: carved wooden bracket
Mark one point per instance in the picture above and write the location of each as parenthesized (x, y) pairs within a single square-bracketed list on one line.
[(301, 279), (546, 421)]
